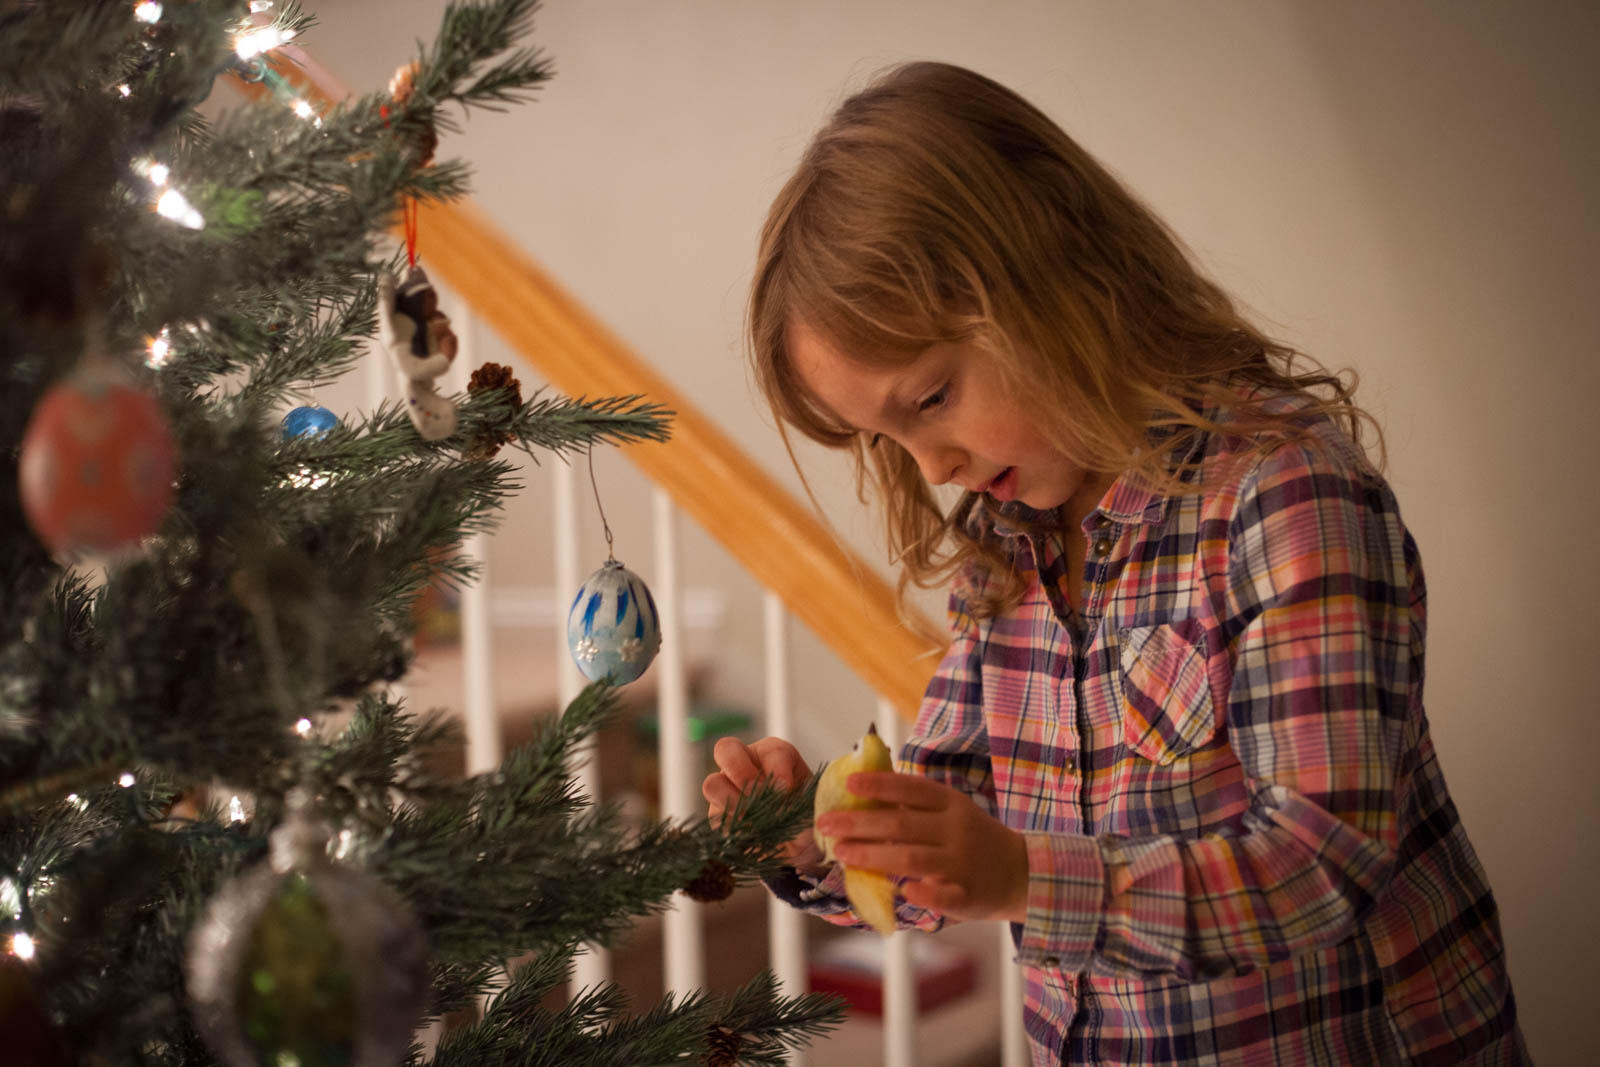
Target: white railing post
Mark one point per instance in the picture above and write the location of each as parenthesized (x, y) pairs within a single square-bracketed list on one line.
[(899, 983), (592, 964), (682, 947), (1014, 1038), (484, 743), (786, 936)]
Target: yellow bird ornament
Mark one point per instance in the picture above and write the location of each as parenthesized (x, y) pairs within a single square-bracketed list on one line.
[(871, 893)]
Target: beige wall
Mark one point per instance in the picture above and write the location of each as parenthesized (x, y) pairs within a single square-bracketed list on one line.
[(1405, 189)]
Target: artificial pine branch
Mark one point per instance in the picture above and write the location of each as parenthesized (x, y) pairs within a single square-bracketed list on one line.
[(215, 657)]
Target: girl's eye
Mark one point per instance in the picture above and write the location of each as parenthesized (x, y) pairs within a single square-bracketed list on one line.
[(935, 401)]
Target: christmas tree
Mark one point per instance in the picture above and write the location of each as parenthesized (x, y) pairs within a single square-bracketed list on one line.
[(220, 840)]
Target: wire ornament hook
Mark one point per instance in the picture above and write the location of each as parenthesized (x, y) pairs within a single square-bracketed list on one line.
[(610, 554)]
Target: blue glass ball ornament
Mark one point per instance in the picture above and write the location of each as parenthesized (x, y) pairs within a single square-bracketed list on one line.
[(308, 419), (613, 629)]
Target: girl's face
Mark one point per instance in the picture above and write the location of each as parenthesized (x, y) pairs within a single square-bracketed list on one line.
[(951, 415)]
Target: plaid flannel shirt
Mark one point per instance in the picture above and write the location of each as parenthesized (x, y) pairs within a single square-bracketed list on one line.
[(1235, 724)]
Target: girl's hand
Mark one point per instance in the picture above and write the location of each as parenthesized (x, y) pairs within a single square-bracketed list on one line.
[(962, 862), (741, 767)]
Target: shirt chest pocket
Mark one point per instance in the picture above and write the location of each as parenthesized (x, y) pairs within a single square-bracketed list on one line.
[(1166, 700)]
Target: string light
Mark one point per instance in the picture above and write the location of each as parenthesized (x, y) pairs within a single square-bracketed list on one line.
[(160, 348), (125, 89), (175, 206), (253, 42), (149, 11), (22, 946), (258, 6), (126, 781), (235, 811), (306, 478), (158, 173), (305, 111), (303, 727)]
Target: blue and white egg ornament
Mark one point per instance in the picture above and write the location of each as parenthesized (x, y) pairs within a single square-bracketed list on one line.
[(308, 419), (613, 629)]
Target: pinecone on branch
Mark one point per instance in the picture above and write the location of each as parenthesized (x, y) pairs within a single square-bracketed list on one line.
[(713, 883), (489, 377), (722, 1047)]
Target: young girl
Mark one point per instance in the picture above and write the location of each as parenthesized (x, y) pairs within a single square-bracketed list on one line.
[(1178, 739)]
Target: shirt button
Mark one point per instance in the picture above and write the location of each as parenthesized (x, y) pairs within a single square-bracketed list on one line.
[(1069, 765), (1102, 547)]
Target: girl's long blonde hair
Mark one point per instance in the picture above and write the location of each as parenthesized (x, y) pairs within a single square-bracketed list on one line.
[(936, 206)]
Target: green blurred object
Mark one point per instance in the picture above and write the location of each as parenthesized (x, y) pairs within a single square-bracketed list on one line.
[(301, 961), (296, 994), (706, 722)]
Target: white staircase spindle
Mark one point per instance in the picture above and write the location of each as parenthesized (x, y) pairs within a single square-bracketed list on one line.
[(1014, 1039), (682, 946), (484, 746), (899, 983), (592, 964), (786, 936)]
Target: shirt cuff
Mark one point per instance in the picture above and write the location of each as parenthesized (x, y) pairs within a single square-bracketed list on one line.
[(1066, 899), (822, 896)]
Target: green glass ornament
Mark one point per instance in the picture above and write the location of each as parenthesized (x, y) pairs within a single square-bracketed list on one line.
[(295, 989), (307, 962)]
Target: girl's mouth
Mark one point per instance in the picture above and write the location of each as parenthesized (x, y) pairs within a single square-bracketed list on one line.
[(1004, 486)]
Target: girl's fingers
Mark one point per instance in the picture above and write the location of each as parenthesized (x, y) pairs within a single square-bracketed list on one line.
[(735, 761), (719, 792), (881, 825), (935, 894), (916, 861), (781, 760), (910, 790)]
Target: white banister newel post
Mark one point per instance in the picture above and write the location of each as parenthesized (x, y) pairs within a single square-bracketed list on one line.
[(899, 983), (682, 946), (592, 964), (786, 937)]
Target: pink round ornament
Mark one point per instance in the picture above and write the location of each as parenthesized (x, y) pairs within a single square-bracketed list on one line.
[(97, 463)]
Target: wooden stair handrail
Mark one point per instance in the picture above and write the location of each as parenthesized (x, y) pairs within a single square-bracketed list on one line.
[(845, 603)]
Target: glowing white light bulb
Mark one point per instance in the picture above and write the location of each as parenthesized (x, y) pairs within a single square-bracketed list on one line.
[(253, 42), (149, 11), (126, 781), (175, 206), (306, 478), (159, 172), (303, 727), (125, 89), (160, 348), (258, 6), (235, 810), (22, 946)]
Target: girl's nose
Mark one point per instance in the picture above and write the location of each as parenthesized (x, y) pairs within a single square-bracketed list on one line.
[(937, 463)]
